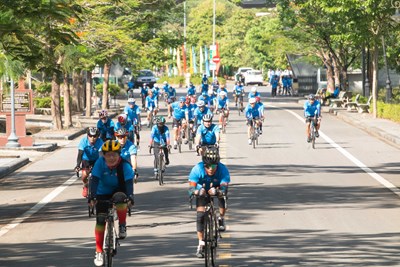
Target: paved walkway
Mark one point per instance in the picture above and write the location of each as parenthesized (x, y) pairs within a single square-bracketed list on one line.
[(47, 140)]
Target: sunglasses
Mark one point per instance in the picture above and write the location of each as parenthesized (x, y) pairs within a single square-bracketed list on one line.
[(210, 166), (92, 136), (121, 136)]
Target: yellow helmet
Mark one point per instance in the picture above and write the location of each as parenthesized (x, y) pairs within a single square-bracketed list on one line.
[(111, 145)]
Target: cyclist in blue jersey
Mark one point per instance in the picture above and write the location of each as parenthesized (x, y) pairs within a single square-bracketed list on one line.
[(223, 107), (132, 112), (151, 105), (156, 91), (261, 109), (199, 112), (253, 93), (211, 100), (160, 137), (208, 177), (179, 117), (215, 84), (105, 126), (238, 92), (222, 88), (191, 91), (88, 152), (204, 80), (112, 179), (207, 134), (144, 91), (252, 111), (191, 107), (312, 109), (274, 85), (165, 87), (128, 149)]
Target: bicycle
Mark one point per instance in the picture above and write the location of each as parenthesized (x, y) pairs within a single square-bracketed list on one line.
[(211, 230), (179, 141), (89, 180), (313, 130), (223, 117), (240, 106), (254, 132), (160, 163), (190, 134)]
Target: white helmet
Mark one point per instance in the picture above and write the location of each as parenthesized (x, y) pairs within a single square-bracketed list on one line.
[(131, 100), (200, 103), (210, 92), (253, 89), (252, 100), (165, 82), (222, 93)]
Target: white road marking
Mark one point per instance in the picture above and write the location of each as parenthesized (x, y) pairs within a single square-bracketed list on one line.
[(38, 206), (353, 159)]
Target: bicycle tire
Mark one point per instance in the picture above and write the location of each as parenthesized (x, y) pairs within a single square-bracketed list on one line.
[(180, 146), (160, 170), (109, 250), (312, 135), (208, 236)]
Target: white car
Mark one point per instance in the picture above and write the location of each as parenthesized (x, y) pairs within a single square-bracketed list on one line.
[(239, 76), (253, 77)]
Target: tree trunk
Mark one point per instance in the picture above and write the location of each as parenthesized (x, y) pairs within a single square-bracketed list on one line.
[(337, 72), (67, 104), (88, 93), (82, 89), (375, 70), (75, 93), (107, 68), (55, 103)]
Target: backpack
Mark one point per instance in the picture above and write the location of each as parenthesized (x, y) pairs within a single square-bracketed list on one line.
[(120, 175)]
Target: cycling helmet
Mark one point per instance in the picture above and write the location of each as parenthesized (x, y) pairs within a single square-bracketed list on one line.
[(204, 93), (122, 118), (103, 114), (253, 89), (111, 146), (121, 132), (165, 82), (190, 84), (210, 92), (160, 121), (207, 117), (182, 99), (252, 100), (222, 93), (145, 84), (131, 100), (211, 156), (200, 103), (93, 131), (258, 99), (311, 97), (187, 100)]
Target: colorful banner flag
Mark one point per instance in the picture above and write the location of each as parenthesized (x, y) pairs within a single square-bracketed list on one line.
[(178, 61), (191, 60), (201, 60), (184, 59), (206, 61), (194, 60)]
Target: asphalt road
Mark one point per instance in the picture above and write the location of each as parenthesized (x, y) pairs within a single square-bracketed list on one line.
[(289, 205)]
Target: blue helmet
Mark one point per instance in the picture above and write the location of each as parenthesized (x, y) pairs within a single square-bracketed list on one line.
[(182, 99)]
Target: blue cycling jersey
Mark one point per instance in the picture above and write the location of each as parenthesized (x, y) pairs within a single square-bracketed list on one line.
[(158, 137), (252, 112), (178, 111), (253, 95), (312, 110), (199, 176), (132, 113), (128, 126), (198, 114), (128, 150), (108, 179), (191, 90), (222, 103), (190, 111), (171, 92), (151, 102), (144, 91), (238, 90), (90, 152), (106, 129), (208, 135)]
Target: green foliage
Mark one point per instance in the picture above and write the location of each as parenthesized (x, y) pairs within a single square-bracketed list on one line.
[(42, 102), (388, 111), (44, 88), (113, 89)]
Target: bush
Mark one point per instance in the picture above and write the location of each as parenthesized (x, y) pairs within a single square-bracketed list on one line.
[(113, 89), (195, 79), (42, 102), (44, 88), (388, 111)]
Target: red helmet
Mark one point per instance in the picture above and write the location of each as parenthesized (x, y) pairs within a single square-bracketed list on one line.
[(258, 99), (122, 118), (187, 101)]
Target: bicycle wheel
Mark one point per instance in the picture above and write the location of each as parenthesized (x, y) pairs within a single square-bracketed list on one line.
[(208, 238), (160, 170), (313, 135), (109, 249), (180, 145)]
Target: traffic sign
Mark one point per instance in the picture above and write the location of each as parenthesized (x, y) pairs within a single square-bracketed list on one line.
[(216, 59)]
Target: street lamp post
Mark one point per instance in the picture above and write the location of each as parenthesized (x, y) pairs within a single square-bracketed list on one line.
[(13, 138), (388, 82), (213, 73)]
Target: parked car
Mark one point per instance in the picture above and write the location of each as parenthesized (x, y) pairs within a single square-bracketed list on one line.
[(145, 76), (253, 77), (239, 76)]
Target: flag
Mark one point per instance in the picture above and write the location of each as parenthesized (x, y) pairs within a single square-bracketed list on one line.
[(218, 63), (178, 61), (194, 60), (184, 59), (206, 61), (191, 60), (201, 60)]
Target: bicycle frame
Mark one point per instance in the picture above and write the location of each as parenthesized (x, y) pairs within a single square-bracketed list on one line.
[(110, 242), (313, 129), (254, 132)]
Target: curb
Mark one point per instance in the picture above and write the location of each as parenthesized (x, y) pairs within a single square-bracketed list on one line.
[(13, 166)]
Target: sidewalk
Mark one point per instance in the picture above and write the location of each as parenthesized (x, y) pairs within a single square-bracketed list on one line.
[(48, 140)]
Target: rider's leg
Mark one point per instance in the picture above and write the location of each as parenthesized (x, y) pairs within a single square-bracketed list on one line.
[(308, 130)]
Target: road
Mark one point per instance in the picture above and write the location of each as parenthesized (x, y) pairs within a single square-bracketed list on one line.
[(289, 205)]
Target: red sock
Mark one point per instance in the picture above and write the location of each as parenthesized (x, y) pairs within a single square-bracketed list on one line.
[(121, 212), (99, 234)]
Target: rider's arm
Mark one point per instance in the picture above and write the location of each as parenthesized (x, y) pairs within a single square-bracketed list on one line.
[(79, 158)]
